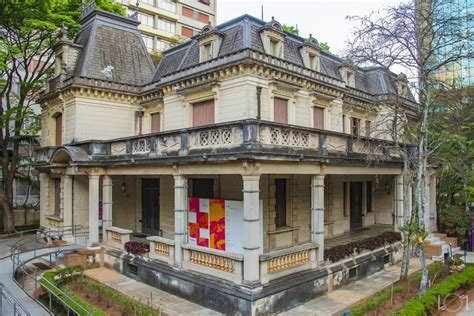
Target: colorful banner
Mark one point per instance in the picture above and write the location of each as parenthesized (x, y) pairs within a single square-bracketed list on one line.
[(218, 224), (206, 223)]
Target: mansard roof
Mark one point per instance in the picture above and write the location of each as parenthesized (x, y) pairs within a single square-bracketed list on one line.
[(113, 50), (244, 33)]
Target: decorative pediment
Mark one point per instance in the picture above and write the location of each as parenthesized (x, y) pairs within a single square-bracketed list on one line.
[(210, 40), (310, 52), (273, 38)]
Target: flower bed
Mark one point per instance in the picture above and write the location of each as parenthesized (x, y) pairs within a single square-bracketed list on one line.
[(340, 252), (137, 247), (89, 297)]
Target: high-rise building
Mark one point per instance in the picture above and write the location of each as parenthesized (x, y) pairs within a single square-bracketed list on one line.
[(166, 22), (461, 72)]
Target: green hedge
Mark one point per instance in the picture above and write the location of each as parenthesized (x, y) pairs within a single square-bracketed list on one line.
[(421, 306)]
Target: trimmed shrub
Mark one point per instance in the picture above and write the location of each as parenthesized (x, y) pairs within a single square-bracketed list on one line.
[(428, 302)]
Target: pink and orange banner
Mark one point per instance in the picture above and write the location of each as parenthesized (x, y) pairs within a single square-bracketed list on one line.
[(206, 223)]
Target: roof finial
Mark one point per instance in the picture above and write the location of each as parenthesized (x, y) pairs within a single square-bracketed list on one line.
[(86, 9)]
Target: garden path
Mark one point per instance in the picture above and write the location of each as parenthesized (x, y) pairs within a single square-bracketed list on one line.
[(342, 299)]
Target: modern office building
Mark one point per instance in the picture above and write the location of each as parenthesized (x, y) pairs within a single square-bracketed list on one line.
[(166, 22), (461, 72)]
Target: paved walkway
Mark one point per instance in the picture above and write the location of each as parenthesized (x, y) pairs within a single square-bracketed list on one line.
[(342, 299), (170, 304)]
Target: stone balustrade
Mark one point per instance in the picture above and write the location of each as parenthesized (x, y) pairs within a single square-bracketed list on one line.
[(217, 263), (283, 262), (253, 137), (117, 237), (161, 249)]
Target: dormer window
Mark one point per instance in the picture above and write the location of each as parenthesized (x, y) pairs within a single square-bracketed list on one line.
[(401, 83), (310, 53), (273, 38), (350, 78), (207, 51), (347, 71), (209, 43), (275, 48)]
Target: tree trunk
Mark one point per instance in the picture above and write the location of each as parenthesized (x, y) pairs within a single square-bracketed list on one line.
[(424, 269), (407, 219)]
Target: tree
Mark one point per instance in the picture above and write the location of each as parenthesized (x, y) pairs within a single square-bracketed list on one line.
[(412, 35), (290, 29), (325, 47), (29, 31), (452, 129)]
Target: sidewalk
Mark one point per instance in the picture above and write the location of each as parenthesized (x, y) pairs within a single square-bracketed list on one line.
[(169, 304), (342, 299)]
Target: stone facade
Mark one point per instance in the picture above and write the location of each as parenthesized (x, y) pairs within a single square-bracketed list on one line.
[(338, 177)]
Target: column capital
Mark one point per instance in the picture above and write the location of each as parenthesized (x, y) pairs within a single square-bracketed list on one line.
[(178, 177), (246, 177), (319, 177), (94, 176)]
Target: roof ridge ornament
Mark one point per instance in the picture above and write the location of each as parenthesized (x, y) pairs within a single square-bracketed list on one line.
[(86, 9), (311, 42)]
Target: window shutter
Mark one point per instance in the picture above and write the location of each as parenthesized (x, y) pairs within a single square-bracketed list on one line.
[(57, 197), (186, 31), (203, 18), (59, 129), (203, 113), (155, 122), (318, 117), (280, 113)]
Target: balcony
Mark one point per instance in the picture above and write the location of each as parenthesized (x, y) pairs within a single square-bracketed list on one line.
[(238, 140)]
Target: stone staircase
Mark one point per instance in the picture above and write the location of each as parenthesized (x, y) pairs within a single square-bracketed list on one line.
[(436, 244)]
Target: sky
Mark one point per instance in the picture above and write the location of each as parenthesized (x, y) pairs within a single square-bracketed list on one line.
[(324, 19)]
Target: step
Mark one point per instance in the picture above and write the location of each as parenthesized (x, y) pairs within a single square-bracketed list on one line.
[(439, 235)]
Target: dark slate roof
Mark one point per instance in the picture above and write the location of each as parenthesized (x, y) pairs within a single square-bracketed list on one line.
[(114, 43), (243, 32)]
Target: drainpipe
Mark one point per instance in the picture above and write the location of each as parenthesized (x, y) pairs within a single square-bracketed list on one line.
[(259, 106)]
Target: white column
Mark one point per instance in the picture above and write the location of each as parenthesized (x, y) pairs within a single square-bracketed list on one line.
[(251, 233), (180, 216), (317, 214), (93, 210), (407, 214), (399, 202), (106, 206), (67, 201)]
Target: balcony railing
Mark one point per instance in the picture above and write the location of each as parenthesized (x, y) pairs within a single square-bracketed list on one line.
[(241, 138)]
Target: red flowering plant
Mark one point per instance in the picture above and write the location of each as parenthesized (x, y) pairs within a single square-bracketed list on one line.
[(136, 247)]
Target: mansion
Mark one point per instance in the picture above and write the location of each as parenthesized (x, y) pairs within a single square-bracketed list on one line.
[(240, 158)]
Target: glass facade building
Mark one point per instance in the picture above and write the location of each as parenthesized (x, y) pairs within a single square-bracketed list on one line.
[(461, 72)]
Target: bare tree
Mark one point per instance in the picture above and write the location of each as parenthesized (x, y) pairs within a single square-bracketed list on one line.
[(417, 36)]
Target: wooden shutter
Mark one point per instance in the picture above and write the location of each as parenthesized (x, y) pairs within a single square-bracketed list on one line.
[(203, 113), (318, 117), (186, 31), (155, 122), (280, 203), (59, 129), (203, 18), (187, 12), (280, 110), (57, 197)]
